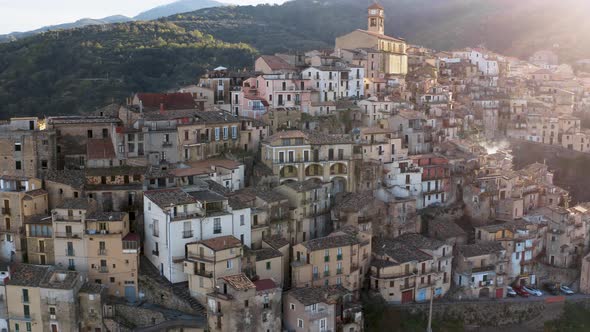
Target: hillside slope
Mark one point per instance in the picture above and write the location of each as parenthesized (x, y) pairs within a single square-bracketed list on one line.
[(79, 70), (179, 6)]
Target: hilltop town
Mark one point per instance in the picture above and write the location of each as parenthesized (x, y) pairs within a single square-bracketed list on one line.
[(281, 197)]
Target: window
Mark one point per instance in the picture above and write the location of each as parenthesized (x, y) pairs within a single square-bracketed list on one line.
[(230, 264), (90, 133), (292, 306), (16, 327), (217, 134), (17, 147), (29, 327), (18, 165), (225, 132), (234, 132), (25, 295), (217, 226), (246, 303), (241, 220), (268, 265), (26, 311), (299, 323)]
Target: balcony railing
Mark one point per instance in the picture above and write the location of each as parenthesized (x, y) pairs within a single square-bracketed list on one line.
[(326, 273), (103, 269), (70, 252), (166, 144), (187, 234), (339, 271), (5, 211), (326, 258), (102, 252), (339, 257), (316, 276), (203, 273), (68, 235)]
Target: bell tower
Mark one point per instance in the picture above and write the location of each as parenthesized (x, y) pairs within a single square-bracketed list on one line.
[(376, 19)]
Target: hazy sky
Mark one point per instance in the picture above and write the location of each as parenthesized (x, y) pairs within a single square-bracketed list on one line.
[(24, 15)]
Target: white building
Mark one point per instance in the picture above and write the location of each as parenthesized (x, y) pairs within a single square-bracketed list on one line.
[(173, 218), (335, 82)]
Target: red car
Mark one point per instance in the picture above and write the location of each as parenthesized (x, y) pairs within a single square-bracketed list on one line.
[(520, 291)]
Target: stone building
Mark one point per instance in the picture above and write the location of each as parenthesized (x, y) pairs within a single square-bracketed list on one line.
[(310, 205), (394, 58), (208, 260), (325, 308), (43, 299), (39, 233), (298, 156), (479, 269), (98, 244), (22, 199), (26, 147), (341, 258), (239, 304), (411, 268)]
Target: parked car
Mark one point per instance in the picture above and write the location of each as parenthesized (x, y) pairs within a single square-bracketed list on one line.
[(566, 290), (532, 291), (510, 292), (520, 291), (552, 288)]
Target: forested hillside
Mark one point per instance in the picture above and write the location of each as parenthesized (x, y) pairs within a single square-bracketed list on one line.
[(81, 69)]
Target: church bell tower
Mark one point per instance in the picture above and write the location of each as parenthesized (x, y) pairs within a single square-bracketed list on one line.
[(376, 19)]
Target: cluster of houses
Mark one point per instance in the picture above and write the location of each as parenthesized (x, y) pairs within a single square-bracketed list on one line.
[(277, 196)]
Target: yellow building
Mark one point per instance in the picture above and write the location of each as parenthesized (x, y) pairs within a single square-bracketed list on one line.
[(208, 260), (98, 244), (298, 156), (22, 199), (341, 258), (43, 299), (394, 57)]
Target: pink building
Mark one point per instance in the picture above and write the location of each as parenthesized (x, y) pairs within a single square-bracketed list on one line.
[(270, 91)]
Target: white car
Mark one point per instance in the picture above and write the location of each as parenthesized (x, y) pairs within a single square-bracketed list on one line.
[(566, 290), (532, 290)]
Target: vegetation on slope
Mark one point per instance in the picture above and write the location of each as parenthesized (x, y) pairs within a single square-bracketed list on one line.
[(78, 70)]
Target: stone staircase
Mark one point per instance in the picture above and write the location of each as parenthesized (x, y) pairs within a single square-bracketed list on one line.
[(180, 290)]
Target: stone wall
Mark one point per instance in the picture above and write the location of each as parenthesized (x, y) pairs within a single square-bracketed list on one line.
[(159, 294), (485, 313)]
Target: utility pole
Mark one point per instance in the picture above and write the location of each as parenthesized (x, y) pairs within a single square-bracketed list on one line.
[(429, 328)]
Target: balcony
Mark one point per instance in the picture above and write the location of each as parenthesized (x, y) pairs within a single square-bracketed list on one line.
[(326, 273), (339, 271), (316, 276), (5, 211), (485, 283), (68, 235), (70, 252), (24, 299), (103, 269), (326, 258), (203, 273), (166, 144), (408, 285), (102, 252), (155, 253), (187, 234), (339, 257)]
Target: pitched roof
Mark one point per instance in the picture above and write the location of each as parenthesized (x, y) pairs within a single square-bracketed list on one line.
[(375, 34), (276, 63), (170, 101), (333, 241), (313, 295), (239, 282), (221, 243), (375, 5), (266, 253), (165, 198), (73, 178), (303, 186), (42, 276), (276, 241), (75, 203), (100, 148), (481, 248), (264, 284), (399, 251)]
